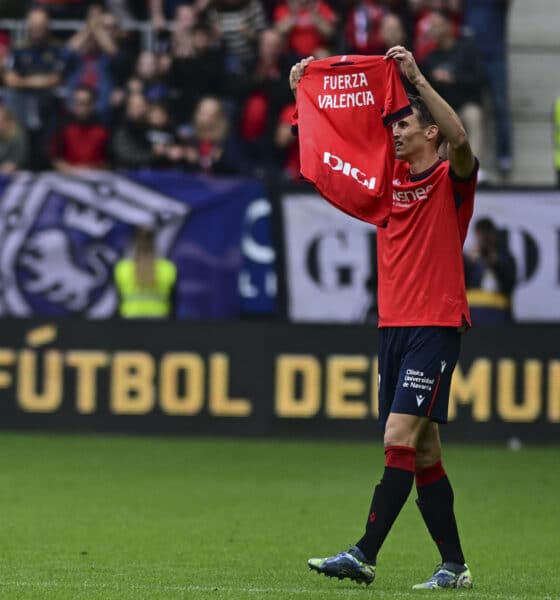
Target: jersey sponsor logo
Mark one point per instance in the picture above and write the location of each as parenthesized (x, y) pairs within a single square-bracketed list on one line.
[(409, 196), (419, 399), (338, 164)]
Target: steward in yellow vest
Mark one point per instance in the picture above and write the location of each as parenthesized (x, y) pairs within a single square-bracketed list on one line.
[(145, 282)]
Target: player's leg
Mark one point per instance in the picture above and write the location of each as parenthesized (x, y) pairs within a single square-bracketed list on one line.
[(423, 383), (399, 434), (354, 564), (358, 563), (402, 432), (435, 501), (435, 497), (435, 494)]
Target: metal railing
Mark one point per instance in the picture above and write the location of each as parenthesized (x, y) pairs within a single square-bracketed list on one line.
[(148, 34)]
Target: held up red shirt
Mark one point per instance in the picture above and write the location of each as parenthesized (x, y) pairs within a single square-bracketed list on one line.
[(421, 280), (345, 105)]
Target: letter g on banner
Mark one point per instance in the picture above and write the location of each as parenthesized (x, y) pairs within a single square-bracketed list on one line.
[(329, 262)]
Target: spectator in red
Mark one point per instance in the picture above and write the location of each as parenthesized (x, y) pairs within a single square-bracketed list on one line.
[(82, 141), (5, 45), (422, 10), (287, 144), (309, 26), (268, 93), (362, 28)]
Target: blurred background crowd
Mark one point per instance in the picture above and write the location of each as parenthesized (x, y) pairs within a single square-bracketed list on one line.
[(207, 91)]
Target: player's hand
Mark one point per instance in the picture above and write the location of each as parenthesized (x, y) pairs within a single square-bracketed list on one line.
[(407, 63), (296, 72)]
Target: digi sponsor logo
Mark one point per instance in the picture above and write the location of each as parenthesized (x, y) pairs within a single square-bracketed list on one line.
[(337, 164), (409, 196)]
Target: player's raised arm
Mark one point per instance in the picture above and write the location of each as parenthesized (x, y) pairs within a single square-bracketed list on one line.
[(296, 72), (459, 150)]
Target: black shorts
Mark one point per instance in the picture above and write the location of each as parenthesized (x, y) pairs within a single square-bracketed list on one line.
[(415, 369)]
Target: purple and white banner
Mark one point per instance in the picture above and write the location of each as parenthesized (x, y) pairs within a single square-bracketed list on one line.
[(60, 237)]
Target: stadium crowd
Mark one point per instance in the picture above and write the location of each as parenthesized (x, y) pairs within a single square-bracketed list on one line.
[(211, 95)]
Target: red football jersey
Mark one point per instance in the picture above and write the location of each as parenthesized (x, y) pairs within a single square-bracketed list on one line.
[(421, 279), (344, 107)]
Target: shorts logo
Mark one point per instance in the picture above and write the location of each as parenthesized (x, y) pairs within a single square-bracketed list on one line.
[(419, 399), (443, 365)]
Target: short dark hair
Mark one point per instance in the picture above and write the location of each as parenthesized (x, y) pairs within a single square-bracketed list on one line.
[(485, 225), (425, 117)]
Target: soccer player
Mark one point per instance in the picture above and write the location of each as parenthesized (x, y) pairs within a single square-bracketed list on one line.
[(422, 312)]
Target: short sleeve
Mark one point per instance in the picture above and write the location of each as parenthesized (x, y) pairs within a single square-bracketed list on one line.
[(463, 187), (396, 104), (463, 194)]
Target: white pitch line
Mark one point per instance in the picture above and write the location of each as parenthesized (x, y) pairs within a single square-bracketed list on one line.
[(475, 593)]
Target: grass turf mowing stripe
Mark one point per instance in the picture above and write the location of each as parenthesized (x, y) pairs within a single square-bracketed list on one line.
[(123, 517)]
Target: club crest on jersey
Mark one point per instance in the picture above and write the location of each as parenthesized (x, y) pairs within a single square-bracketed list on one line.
[(413, 195), (339, 165)]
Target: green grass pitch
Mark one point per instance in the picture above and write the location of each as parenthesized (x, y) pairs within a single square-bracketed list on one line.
[(162, 518)]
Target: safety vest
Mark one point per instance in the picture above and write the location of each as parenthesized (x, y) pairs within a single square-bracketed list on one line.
[(137, 302), (556, 117)]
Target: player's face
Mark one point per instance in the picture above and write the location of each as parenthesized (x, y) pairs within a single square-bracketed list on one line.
[(408, 137)]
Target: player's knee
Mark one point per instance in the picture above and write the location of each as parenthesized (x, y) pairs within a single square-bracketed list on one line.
[(397, 434), (403, 430), (427, 456), (428, 449)]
